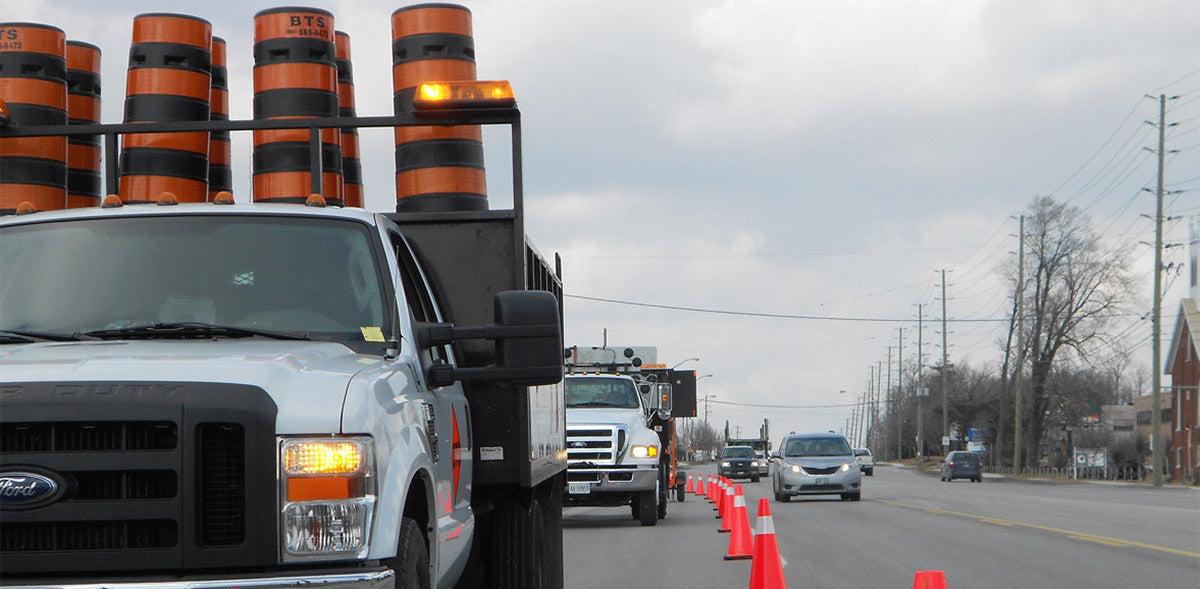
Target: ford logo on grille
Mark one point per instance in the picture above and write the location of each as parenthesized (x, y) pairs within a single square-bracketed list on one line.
[(23, 490), (579, 444)]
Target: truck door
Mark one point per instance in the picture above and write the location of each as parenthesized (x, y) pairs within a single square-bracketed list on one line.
[(448, 419)]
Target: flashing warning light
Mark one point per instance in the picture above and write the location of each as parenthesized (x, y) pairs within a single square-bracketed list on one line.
[(464, 94), (167, 199), (223, 197), (26, 208), (112, 201), (314, 200), (322, 458)]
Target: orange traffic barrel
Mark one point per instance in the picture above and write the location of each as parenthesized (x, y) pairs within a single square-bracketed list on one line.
[(437, 168), (83, 108), (220, 175), (352, 188), (33, 72), (169, 80), (295, 77)]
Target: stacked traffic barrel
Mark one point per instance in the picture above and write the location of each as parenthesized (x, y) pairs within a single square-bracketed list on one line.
[(295, 77), (352, 189), (83, 108), (33, 83), (220, 176), (437, 168), (168, 81)]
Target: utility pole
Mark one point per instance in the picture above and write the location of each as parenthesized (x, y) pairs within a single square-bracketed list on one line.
[(706, 398), (945, 369), (899, 396), (1018, 372), (887, 397), (1156, 441), (920, 368), (870, 410), (875, 400)]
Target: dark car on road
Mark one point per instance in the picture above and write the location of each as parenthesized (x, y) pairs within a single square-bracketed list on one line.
[(962, 465), (739, 462)]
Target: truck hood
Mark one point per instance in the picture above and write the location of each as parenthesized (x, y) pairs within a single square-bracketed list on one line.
[(307, 380), (632, 419)]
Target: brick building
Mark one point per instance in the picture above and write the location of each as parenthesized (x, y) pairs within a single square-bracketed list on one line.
[(1183, 364)]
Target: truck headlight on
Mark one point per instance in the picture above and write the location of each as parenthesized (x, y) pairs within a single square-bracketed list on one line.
[(644, 451), (726, 464), (326, 497), (846, 467), (754, 463), (795, 468)]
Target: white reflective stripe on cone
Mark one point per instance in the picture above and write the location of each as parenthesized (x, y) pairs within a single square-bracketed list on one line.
[(739, 501), (765, 525)]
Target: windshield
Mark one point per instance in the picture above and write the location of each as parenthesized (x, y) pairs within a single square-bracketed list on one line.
[(817, 447), (740, 453), (601, 392), (298, 275)]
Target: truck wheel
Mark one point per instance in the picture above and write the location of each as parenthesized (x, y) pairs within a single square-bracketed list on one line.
[(680, 493), (635, 507), (754, 479), (647, 507), (411, 562), (519, 547)]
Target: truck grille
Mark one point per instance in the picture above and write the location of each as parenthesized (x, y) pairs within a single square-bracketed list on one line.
[(171, 490), (598, 445)]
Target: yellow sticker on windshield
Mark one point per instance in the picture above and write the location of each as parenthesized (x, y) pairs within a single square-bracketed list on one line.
[(372, 334)]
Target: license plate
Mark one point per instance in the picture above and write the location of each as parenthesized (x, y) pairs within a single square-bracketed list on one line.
[(823, 481), (578, 488)]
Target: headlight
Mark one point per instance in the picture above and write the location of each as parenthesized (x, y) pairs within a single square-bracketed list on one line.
[(754, 464), (726, 463), (326, 496), (644, 451), (846, 467), (795, 468)]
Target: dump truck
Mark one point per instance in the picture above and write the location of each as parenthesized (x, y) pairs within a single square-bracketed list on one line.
[(621, 410), (282, 394)]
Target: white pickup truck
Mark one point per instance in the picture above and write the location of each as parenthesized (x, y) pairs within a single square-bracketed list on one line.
[(866, 462)]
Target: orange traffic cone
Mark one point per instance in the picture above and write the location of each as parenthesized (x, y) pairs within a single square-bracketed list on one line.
[(766, 571), (699, 486), (929, 580), (727, 511), (741, 540), (690, 488)]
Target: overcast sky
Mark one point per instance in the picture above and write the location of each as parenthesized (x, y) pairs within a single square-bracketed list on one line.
[(800, 157)]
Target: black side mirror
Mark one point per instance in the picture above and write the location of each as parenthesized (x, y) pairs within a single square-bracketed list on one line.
[(528, 342)]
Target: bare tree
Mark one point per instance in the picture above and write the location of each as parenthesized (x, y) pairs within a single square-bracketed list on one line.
[(1073, 285)]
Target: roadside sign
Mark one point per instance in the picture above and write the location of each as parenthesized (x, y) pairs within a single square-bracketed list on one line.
[(945, 440), (923, 392)]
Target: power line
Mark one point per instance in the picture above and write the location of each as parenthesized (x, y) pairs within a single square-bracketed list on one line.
[(787, 315), (771, 406), (775, 255)]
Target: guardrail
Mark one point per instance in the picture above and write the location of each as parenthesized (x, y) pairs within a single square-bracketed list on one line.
[(1128, 473)]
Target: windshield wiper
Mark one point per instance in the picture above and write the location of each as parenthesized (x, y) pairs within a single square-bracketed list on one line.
[(13, 336), (594, 404), (190, 330)]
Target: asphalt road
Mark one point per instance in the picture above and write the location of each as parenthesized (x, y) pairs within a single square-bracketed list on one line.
[(996, 534)]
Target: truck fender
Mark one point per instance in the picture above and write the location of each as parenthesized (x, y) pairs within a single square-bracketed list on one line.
[(405, 482)]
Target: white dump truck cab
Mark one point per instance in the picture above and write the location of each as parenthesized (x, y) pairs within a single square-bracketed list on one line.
[(614, 456)]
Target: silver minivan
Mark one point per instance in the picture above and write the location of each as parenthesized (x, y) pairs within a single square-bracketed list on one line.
[(816, 464)]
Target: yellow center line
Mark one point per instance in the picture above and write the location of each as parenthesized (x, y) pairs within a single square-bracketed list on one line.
[(1073, 534)]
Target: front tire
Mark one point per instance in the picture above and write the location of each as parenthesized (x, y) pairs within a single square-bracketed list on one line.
[(754, 479), (647, 507), (411, 563), (664, 491)]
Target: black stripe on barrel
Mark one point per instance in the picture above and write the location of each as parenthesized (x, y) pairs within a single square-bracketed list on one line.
[(84, 185), (33, 85), (295, 76), (437, 168), (220, 175), (169, 80), (352, 189)]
